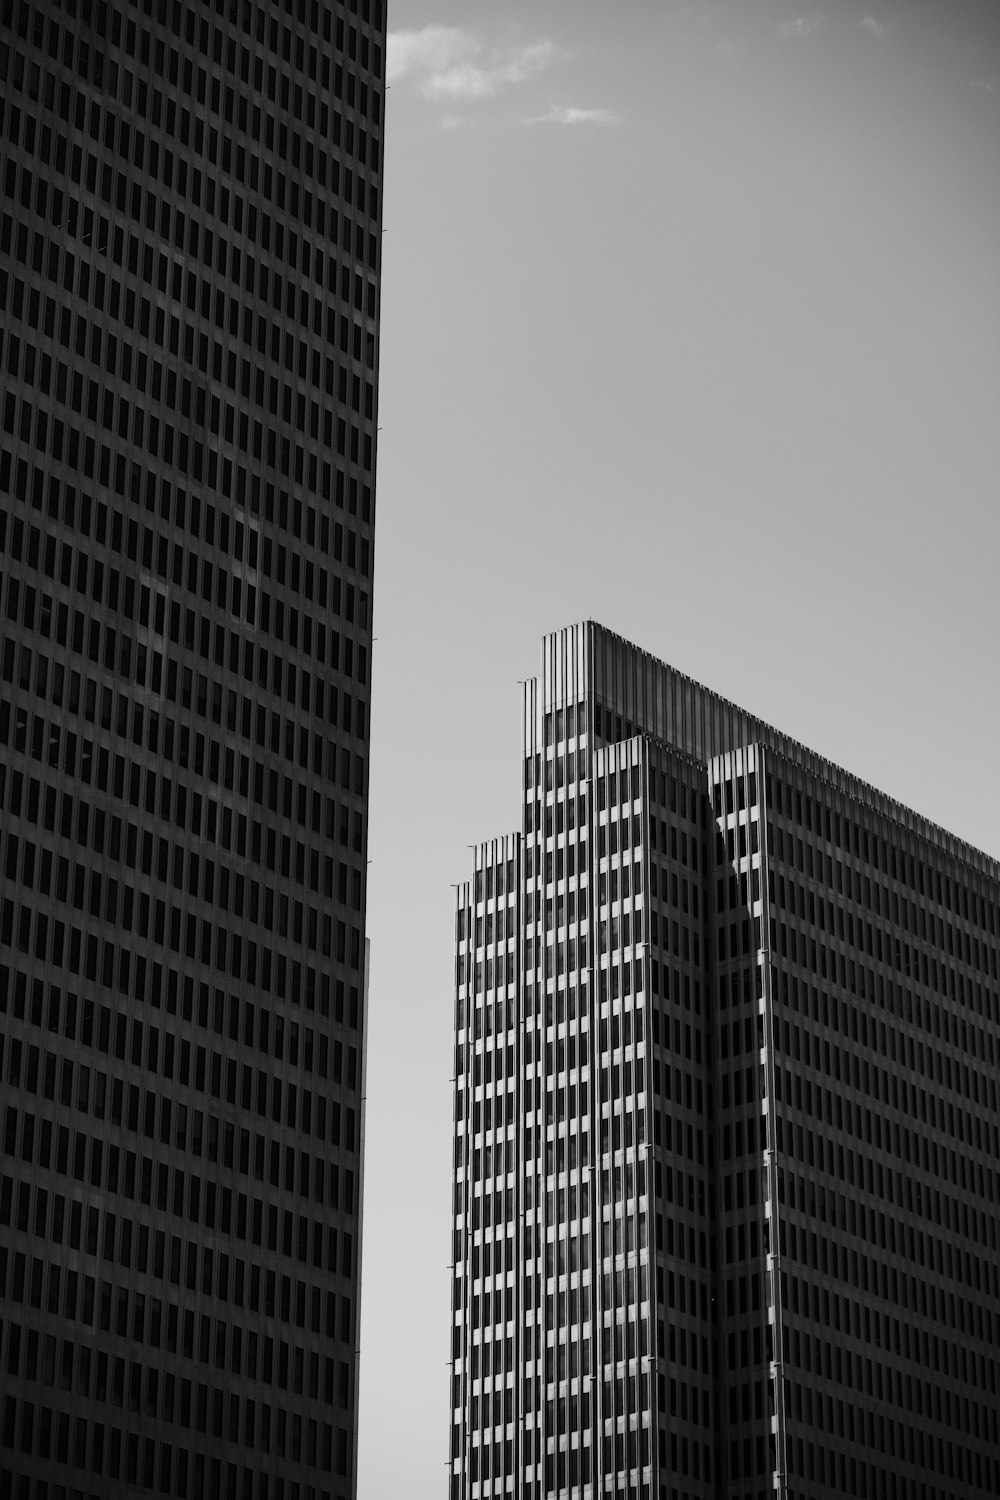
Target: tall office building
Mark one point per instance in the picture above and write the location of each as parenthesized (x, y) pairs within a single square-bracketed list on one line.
[(189, 322), (727, 1156)]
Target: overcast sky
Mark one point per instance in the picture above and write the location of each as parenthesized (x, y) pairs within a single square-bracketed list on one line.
[(690, 324)]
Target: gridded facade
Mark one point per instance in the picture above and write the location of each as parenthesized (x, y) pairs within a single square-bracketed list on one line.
[(726, 1142), (877, 1090), (189, 304)]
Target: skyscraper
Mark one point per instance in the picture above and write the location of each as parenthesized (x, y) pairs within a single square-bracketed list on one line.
[(727, 1156), (189, 317)]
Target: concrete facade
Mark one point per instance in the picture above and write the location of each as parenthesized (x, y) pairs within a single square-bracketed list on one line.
[(189, 324), (726, 1117)]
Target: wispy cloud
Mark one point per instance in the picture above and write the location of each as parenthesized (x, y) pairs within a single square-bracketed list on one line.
[(985, 83), (797, 28), (877, 28), (571, 114), (451, 63)]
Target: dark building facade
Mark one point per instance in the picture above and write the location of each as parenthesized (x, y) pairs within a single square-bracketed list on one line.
[(727, 1156), (189, 333)]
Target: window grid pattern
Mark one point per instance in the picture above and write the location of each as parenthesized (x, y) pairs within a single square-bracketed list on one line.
[(785, 988), (189, 300)]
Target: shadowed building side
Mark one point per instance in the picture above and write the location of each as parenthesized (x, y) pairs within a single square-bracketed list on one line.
[(190, 261)]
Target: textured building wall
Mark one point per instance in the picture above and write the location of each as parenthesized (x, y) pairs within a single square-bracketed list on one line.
[(880, 1034), (489, 1194), (753, 1238), (189, 302), (683, 1102)]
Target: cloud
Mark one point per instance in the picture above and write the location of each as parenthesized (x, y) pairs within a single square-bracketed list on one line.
[(877, 28), (449, 63), (984, 83), (570, 114), (797, 28)]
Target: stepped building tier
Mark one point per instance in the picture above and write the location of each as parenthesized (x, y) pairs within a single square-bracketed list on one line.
[(726, 1148)]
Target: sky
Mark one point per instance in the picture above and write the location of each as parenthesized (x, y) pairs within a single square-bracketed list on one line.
[(690, 325)]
